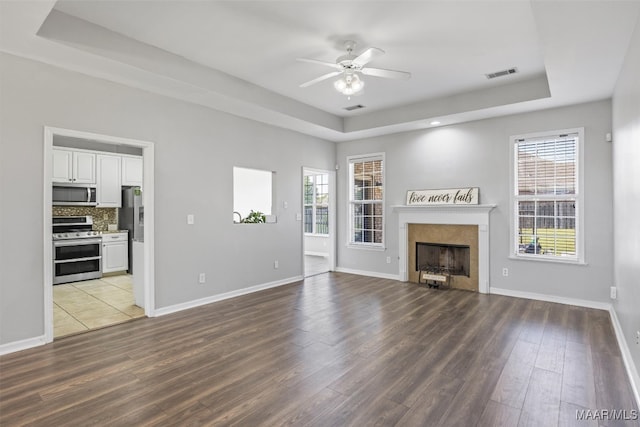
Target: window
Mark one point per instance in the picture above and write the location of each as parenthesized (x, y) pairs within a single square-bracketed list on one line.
[(316, 204), (547, 200), (366, 200), (252, 195)]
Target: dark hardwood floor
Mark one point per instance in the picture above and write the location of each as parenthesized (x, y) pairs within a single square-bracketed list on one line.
[(334, 350)]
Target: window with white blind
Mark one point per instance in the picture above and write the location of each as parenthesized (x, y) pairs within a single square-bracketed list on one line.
[(547, 200), (366, 201), (316, 204)]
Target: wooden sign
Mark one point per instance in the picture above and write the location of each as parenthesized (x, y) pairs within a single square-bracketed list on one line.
[(453, 196)]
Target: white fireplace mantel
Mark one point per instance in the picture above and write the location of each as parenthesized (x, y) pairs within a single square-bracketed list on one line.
[(447, 214)]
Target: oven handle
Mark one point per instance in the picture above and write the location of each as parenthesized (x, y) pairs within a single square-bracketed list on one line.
[(89, 258), (77, 242)]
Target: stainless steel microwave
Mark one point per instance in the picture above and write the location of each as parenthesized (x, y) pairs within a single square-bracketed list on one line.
[(74, 195)]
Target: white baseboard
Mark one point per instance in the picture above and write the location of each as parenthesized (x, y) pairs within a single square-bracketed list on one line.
[(632, 372), (215, 298), (551, 298), (12, 347), (368, 273)]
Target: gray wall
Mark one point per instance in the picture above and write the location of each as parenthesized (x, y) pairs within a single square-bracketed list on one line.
[(626, 166), (196, 149), (477, 154)]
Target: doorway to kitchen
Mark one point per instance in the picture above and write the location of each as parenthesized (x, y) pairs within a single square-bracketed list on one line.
[(110, 294), (318, 221)]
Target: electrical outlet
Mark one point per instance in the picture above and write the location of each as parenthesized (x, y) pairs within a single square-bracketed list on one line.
[(638, 337), (388, 260), (275, 264), (613, 292), (505, 272), (105, 217), (201, 278)]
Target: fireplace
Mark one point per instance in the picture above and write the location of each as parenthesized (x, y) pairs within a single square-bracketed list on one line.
[(451, 259), (450, 248), (474, 220)]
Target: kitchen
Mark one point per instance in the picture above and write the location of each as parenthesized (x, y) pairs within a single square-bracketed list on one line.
[(97, 234)]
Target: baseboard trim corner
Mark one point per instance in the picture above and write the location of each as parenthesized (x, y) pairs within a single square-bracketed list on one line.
[(632, 371), (551, 298), (220, 297), (25, 344)]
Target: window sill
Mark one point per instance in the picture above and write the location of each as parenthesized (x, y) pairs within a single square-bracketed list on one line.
[(316, 235), (549, 260), (366, 247)]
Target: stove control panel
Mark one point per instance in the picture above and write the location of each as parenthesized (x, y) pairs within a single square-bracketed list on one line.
[(76, 235)]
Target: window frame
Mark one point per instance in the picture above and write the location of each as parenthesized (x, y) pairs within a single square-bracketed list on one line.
[(578, 199), (351, 202), (314, 205)]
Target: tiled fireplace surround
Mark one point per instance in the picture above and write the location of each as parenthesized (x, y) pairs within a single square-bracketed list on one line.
[(450, 215)]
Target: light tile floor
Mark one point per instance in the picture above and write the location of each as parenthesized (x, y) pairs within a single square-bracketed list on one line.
[(93, 304)]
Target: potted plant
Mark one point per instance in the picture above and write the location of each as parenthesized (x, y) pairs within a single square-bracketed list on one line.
[(254, 218)]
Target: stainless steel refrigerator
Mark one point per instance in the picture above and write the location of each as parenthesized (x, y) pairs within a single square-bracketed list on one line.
[(131, 218)]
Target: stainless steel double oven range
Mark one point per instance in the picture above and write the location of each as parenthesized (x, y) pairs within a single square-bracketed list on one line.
[(77, 249)]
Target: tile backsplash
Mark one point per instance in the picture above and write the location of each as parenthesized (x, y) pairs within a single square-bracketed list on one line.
[(102, 217)]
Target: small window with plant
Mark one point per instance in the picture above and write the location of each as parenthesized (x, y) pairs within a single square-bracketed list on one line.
[(252, 195)]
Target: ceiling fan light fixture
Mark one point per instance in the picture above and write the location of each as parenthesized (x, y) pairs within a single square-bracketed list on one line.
[(349, 84), (340, 85)]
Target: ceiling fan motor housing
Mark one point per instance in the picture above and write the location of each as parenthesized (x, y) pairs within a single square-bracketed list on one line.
[(346, 61)]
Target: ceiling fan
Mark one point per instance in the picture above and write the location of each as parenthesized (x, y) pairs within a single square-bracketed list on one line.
[(350, 66)]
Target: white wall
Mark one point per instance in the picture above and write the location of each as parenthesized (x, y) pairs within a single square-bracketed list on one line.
[(477, 154), (316, 245), (626, 178), (196, 149)]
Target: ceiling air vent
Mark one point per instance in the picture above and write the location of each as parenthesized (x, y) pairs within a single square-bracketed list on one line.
[(502, 73), (354, 107)]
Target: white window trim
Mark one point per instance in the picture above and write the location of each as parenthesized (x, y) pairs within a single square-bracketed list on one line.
[(579, 196), (314, 205), (366, 246)]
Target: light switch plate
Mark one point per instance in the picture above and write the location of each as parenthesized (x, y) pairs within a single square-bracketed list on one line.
[(190, 219)]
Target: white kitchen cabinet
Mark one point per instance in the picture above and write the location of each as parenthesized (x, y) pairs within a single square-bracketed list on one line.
[(115, 252), (75, 167), (132, 171), (108, 178)]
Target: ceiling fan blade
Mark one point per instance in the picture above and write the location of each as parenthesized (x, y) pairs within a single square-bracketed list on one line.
[(367, 56), (321, 78), (317, 61), (387, 74)]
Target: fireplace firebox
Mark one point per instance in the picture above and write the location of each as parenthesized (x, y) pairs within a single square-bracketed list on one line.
[(446, 258)]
